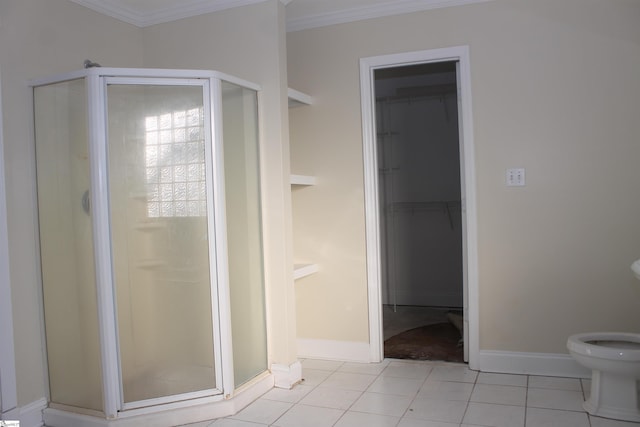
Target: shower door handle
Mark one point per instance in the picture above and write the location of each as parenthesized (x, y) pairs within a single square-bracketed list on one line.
[(86, 202)]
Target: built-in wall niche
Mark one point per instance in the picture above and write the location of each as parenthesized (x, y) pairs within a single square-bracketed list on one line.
[(298, 99)]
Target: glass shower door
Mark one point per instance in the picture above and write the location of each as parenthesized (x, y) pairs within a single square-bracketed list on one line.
[(244, 231), (161, 213), (66, 245)]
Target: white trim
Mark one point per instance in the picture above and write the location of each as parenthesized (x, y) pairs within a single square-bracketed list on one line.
[(107, 322), (8, 386), (367, 66), (303, 270), (372, 221), (172, 417), (303, 180), (286, 376), (297, 98), (471, 315), (347, 351), (547, 364), (190, 8), (218, 248), (31, 415), (178, 10), (176, 73), (389, 8)]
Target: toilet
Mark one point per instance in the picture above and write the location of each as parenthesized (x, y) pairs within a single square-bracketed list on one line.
[(614, 358)]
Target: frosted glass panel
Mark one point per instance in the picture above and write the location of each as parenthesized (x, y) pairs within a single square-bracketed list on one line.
[(160, 239), (66, 245), (244, 231)]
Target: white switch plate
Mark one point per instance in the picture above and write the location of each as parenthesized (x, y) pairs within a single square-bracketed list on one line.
[(515, 177)]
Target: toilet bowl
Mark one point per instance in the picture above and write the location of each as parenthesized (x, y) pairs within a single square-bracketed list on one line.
[(614, 358)]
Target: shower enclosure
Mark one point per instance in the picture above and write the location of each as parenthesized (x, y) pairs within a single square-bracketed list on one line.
[(150, 238)]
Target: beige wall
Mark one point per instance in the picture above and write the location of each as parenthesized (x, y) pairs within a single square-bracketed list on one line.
[(555, 90), (39, 38)]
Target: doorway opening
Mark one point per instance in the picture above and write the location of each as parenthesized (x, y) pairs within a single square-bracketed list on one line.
[(438, 61), (419, 193)]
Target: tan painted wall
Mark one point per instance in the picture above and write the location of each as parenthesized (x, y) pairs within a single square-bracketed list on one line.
[(555, 90), (40, 38)]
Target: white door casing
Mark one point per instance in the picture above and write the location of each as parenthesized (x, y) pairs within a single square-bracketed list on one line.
[(459, 54), (8, 392)]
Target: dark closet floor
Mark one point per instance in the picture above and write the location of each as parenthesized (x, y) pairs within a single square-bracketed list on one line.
[(421, 333)]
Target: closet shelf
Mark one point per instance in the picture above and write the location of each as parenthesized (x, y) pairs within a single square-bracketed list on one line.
[(297, 98), (303, 180), (302, 270)]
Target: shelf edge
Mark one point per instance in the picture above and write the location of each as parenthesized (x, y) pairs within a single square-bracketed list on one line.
[(303, 270), (303, 180), (297, 98)]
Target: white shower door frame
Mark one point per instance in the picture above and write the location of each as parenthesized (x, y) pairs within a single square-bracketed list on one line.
[(460, 55), (96, 81), (215, 217)]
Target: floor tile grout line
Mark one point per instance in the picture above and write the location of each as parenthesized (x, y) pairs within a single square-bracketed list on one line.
[(293, 404), (584, 398), (415, 396), (361, 394), (475, 383)]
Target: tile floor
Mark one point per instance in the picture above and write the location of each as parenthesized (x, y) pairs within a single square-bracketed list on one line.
[(398, 393)]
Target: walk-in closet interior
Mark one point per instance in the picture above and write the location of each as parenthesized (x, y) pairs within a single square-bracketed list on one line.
[(419, 196)]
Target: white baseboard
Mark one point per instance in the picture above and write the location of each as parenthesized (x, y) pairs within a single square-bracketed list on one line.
[(286, 376), (508, 362), (546, 364), (29, 415), (11, 414), (347, 351), (168, 417)]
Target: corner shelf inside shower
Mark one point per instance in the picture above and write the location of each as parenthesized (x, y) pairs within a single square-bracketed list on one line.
[(150, 226), (297, 99)]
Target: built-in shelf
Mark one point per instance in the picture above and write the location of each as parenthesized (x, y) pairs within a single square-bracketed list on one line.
[(303, 180), (297, 98), (302, 270)]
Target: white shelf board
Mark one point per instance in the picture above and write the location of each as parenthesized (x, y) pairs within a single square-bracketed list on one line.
[(302, 270), (303, 180), (297, 98)]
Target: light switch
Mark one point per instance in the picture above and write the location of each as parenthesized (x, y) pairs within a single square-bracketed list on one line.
[(515, 177)]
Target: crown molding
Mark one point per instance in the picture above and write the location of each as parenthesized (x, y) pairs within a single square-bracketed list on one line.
[(397, 7), (188, 8), (182, 9)]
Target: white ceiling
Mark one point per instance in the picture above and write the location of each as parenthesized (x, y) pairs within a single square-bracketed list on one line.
[(301, 14)]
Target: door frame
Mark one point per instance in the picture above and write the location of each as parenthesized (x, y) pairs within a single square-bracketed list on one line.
[(459, 54), (8, 382)]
